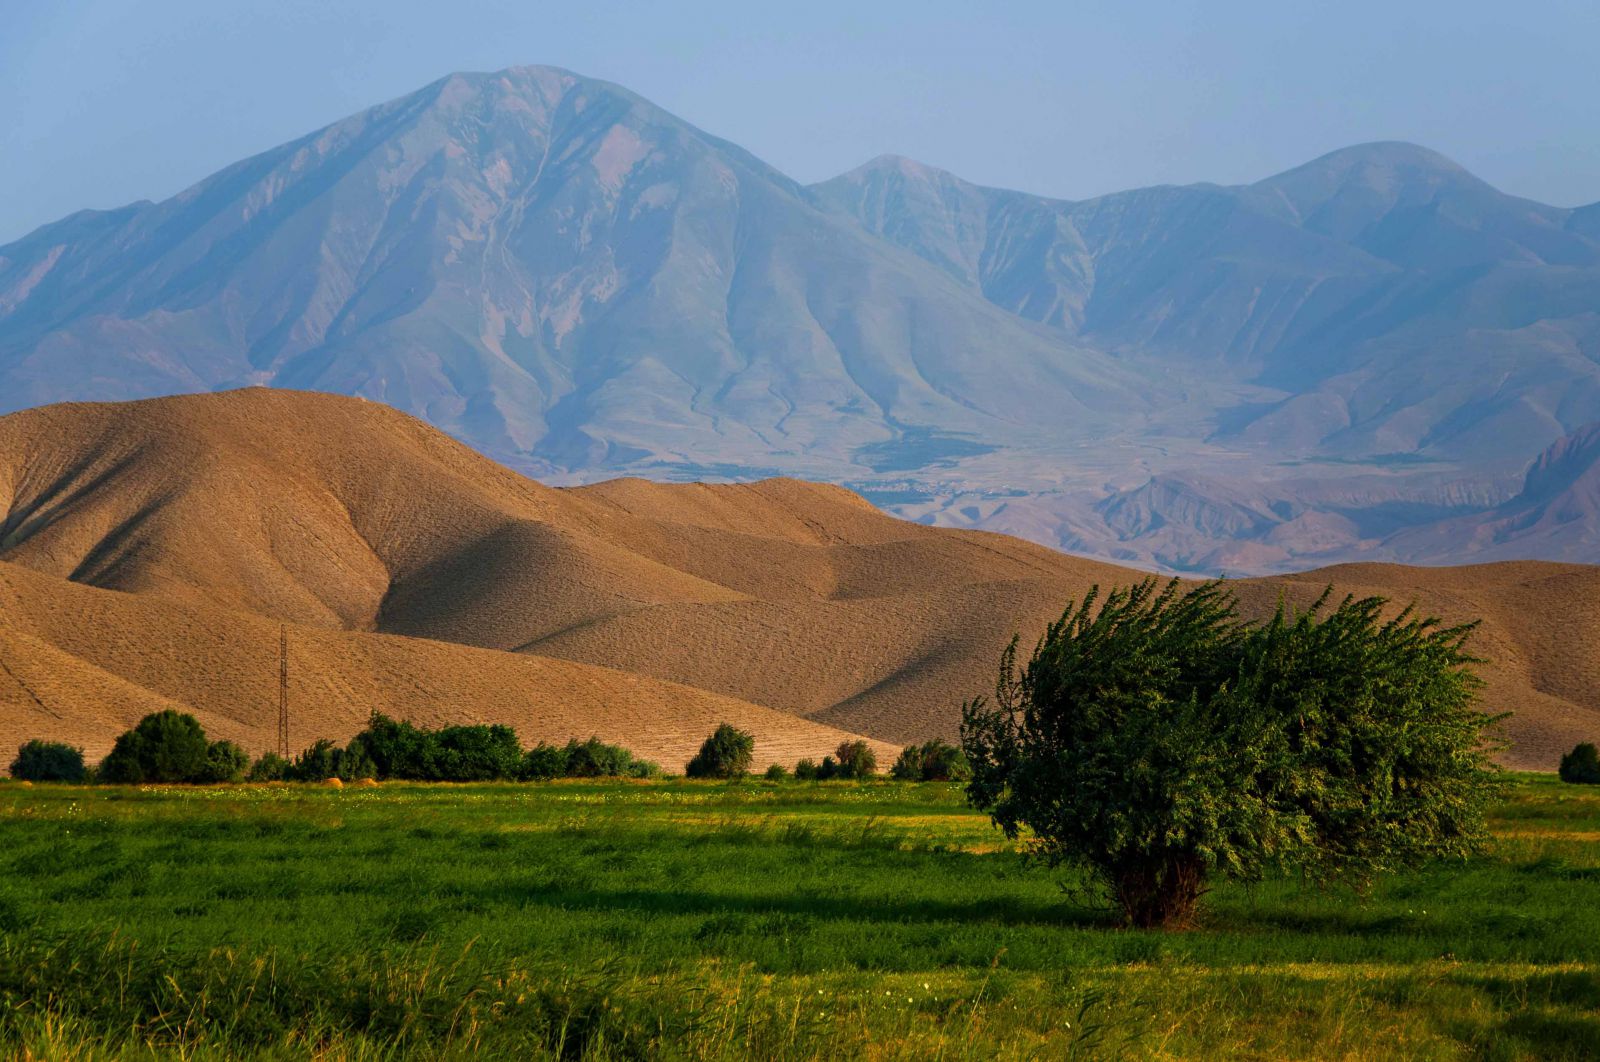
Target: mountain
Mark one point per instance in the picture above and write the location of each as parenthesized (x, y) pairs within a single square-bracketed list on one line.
[(549, 267), (580, 285), (1557, 512), (1383, 288), (152, 552)]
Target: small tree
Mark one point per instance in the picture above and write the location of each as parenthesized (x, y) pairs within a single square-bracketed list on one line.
[(318, 763), (856, 759), (1157, 742), (936, 761), (225, 762), (1581, 765), (165, 747), (806, 770), (776, 772), (48, 761), (542, 763), (269, 768), (725, 754)]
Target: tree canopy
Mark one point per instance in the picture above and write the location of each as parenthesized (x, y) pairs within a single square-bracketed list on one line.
[(1157, 741)]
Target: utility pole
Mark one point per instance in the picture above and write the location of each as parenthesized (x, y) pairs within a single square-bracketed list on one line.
[(283, 690)]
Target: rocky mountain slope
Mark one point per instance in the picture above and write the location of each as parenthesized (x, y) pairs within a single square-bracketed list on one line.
[(579, 284), (150, 552)]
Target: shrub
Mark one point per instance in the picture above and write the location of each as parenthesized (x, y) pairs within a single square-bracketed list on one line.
[(1156, 741), (165, 747), (595, 759), (322, 761), (806, 770), (225, 762), (935, 761), (828, 769), (48, 761), (583, 759), (1581, 765), (856, 760), (776, 773), (725, 754), (269, 768), (398, 749), (542, 763)]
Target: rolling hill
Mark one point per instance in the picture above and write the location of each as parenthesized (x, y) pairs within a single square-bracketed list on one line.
[(581, 285), (150, 551)]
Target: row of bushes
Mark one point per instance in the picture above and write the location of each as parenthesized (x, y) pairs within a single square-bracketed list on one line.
[(172, 747)]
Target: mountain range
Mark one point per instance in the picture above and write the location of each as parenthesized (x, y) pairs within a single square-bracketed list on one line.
[(1373, 356), (158, 554)]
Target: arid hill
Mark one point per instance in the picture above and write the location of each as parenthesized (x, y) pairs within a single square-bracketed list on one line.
[(150, 551)]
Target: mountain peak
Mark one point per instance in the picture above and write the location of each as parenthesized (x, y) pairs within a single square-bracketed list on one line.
[(891, 165)]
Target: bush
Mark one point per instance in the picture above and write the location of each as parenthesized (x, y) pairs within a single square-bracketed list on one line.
[(1156, 741), (856, 760), (1581, 765), (583, 759), (269, 768), (935, 761), (48, 761), (225, 762), (165, 747), (595, 759), (725, 754), (317, 763), (806, 770), (828, 769), (542, 763), (399, 749), (776, 773)]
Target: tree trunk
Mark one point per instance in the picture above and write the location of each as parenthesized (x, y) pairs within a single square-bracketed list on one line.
[(1161, 894)]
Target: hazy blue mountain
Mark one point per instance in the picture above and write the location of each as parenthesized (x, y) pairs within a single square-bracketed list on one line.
[(580, 284), (1399, 303), (551, 268)]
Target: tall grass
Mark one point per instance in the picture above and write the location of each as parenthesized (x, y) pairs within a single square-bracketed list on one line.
[(677, 920)]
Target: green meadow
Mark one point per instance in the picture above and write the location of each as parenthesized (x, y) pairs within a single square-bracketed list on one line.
[(671, 919)]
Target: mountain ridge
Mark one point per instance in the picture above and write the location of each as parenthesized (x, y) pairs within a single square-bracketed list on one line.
[(582, 285)]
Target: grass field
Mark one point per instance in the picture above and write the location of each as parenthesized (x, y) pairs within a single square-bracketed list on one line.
[(672, 919)]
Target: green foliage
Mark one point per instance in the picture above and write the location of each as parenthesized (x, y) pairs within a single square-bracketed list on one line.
[(48, 761), (401, 750), (542, 763), (806, 770), (323, 760), (165, 747), (935, 761), (583, 759), (725, 754), (1156, 741), (225, 762), (856, 760), (596, 759), (1581, 765), (776, 773), (269, 768)]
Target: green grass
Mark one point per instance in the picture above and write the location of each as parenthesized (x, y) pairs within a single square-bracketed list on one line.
[(674, 919)]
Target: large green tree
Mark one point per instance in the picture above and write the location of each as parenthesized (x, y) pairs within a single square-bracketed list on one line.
[(1158, 742)]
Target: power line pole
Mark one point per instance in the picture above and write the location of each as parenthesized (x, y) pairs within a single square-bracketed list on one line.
[(283, 690)]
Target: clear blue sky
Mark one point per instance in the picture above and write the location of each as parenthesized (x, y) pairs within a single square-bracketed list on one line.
[(107, 101)]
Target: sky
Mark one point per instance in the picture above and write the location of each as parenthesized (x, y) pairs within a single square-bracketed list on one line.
[(109, 101)]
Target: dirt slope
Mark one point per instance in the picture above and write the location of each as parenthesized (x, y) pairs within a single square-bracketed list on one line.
[(82, 664), (785, 603)]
